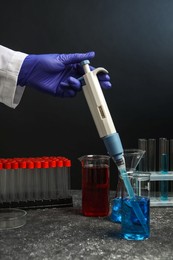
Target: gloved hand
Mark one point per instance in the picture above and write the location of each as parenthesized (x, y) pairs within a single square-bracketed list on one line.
[(57, 74)]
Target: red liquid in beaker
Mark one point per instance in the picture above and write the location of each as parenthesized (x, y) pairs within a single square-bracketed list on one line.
[(95, 191)]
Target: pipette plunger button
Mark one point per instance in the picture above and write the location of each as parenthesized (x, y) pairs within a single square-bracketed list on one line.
[(84, 62)]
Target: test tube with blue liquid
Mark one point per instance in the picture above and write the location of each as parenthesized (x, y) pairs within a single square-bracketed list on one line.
[(164, 184), (171, 167)]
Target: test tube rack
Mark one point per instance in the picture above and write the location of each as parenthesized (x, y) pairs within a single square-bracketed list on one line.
[(161, 180), (37, 182), (155, 196)]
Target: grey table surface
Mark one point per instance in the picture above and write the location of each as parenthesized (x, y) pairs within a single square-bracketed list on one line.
[(63, 233)]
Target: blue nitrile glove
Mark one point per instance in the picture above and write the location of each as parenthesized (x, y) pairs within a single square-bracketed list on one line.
[(57, 74)]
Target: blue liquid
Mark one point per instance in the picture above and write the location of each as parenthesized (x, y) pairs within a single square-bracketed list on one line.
[(115, 215), (164, 190), (131, 226), (164, 184)]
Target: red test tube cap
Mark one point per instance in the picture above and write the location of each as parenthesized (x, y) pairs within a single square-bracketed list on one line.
[(59, 163), (37, 164), (30, 164), (22, 164), (1, 165), (67, 163), (45, 164), (7, 165), (14, 165), (52, 163)]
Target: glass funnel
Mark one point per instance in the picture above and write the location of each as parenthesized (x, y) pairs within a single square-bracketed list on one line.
[(132, 158)]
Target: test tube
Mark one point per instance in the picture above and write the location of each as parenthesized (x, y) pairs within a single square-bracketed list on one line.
[(171, 154), (2, 175), (22, 180), (44, 179), (152, 165), (142, 144), (59, 184), (164, 184), (13, 181), (17, 179), (163, 149), (37, 180), (68, 178), (163, 165), (152, 154), (52, 179), (30, 180), (171, 166), (7, 166), (64, 179)]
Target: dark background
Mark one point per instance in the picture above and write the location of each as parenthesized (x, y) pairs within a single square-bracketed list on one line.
[(132, 39)]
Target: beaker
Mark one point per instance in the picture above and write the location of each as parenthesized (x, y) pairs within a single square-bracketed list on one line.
[(95, 185), (132, 158), (133, 228)]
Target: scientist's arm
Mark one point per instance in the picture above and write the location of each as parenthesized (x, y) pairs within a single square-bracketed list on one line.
[(57, 74), (10, 65)]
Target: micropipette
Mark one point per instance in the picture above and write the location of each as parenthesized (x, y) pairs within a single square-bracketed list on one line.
[(101, 115), (106, 129)]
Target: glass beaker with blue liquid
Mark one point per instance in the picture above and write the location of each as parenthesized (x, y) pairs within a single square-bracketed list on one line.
[(132, 158), (131, 227)]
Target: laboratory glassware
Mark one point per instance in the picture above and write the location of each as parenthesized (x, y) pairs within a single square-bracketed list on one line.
[(131, 228), (152, 165), (12, 218), (171, 167), (132, 159), (163, 166), (143, 145), (95, 185), (35, 182)]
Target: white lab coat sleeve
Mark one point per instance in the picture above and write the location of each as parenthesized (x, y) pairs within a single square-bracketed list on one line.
[(10, 64)]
